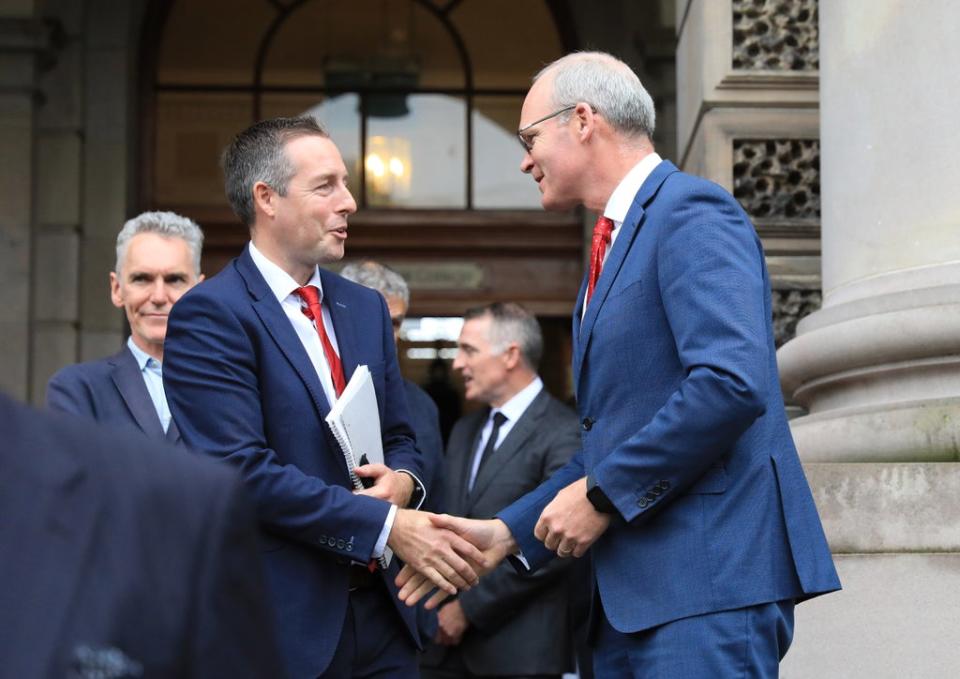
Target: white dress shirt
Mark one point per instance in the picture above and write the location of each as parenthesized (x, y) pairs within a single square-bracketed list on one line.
[(512, 410), (620, 201), (284, 287), (152, 373)]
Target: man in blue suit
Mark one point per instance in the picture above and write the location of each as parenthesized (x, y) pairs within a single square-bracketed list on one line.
[(688, 487), (158, 259), (254, 359)]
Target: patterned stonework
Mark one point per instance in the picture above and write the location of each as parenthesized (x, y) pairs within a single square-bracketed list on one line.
[(789, 306), (778, 178), (778, 35)]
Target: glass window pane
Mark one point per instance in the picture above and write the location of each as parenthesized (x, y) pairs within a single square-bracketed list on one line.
[(339, 115), (192, 131), (497, 180), (418, 159), (356, 44)]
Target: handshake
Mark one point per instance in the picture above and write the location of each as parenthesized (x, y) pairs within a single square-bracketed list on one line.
[(449, 553)]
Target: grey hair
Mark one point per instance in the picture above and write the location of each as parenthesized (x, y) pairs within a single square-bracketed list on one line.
[(511, 322), (608, 85), (258, 154), (380, 277), (165, 224)]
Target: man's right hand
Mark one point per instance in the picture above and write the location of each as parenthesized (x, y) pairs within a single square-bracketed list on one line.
[(440, 556), (491, 537)]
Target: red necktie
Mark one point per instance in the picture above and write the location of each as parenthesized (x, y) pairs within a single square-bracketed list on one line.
[(311, 296), (601, 239)]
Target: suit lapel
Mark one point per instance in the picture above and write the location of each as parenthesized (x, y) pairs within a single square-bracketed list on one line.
[(461, 459), (343, 324), (173, 432), (278, 326), (628, 230), (521, 431), (128, 379), (53, 508)]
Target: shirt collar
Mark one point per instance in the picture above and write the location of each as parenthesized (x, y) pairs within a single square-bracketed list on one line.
[(281, 283), (622, 197), (520, 401), (142, 357)]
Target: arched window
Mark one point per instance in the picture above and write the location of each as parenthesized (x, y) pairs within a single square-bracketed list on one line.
[(421, 96)]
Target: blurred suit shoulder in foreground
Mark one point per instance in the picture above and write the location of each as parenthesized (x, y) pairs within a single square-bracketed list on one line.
[(123, 558)]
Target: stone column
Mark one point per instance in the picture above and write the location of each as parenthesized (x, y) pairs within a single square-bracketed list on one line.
[(747, 118), (878, 367), (22, 38)]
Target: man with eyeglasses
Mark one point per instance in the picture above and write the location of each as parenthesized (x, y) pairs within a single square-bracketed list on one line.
[(687, 490)]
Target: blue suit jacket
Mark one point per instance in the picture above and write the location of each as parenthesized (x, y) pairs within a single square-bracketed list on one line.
[(242, 388), (110, 391), (122, 552), (683, 421), (425, 421)]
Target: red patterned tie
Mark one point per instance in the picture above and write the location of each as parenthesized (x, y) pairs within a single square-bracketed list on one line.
[(601, 239), (311, 296)]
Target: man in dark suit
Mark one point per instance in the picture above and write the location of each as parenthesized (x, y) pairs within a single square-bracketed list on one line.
[(688, 486), (509, 625), (122, 557), (254, 359), (158, 259)]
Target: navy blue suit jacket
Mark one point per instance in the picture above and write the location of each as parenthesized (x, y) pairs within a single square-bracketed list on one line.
[(425, 421), (243, 389), (683, 420), (110, 391), (122, 556)]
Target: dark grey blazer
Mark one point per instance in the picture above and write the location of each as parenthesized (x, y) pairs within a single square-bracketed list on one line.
[(109, 391), (518, 624)]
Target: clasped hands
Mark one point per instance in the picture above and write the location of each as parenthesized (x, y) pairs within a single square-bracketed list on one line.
[(568, 525)]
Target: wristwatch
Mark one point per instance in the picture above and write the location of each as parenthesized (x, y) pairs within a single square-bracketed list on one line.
[(598, 498)]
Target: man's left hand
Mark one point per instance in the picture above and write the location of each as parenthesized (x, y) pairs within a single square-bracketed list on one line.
[(394, 487), (570, 524), (452, 624)]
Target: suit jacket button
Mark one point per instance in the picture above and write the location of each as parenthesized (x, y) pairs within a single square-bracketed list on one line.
[(664, 484), (340, 543), (642, 502), (587, 423), (655, 490), (651, 497)]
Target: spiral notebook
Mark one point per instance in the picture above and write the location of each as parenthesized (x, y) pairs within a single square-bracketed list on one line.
[(355, 422)]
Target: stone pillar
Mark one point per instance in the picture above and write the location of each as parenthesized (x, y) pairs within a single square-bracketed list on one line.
[(878, 367), (22, 38), (747, 118)]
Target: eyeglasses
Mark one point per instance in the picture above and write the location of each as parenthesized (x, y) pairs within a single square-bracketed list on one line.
[(527, 142)]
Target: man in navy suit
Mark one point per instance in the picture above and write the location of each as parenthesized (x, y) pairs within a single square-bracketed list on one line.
[(688, 487), (254, 359), (158, 259), (124, 557)]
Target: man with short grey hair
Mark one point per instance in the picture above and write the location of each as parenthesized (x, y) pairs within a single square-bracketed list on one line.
[(158, 259), (509, 625), (687, 488)]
